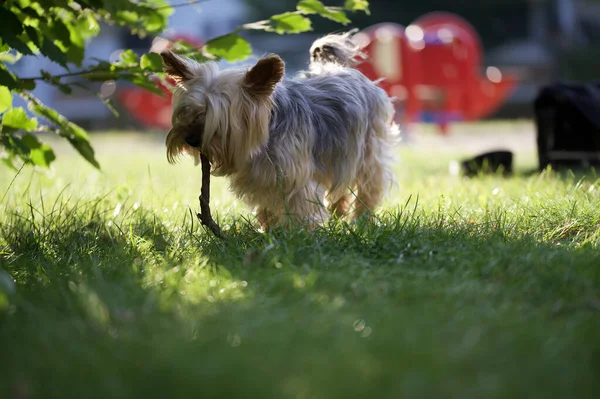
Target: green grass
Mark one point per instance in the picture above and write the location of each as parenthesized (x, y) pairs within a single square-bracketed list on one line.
[(486, 287)]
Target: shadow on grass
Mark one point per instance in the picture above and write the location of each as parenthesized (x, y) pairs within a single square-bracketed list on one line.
[(412, 304)]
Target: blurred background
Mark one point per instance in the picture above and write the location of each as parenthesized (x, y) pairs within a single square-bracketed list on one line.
[(536, 41)]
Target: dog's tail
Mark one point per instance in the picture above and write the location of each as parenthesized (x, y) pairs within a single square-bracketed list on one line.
[(339, 49)]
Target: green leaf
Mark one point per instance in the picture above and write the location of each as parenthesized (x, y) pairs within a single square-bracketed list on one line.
[(154, 23), (16, 43), (29, 11), (65, 89), (42, 156), (84, 148), (39, 153), (60, 31), (231, 47), (310, 6), (87, 26), (27, 84), (75, 36), (7, 79), (152, 62), (129, 57), (11, 29), (191, 51), (76, 130), (8, 58), (17, 118), (145, 83), (316, 7), (34, 36), (10, 22), (75, 55), (290, 23), (357, 5), (111, 106), (7, 160), (52, 51), (14, 146), (129, 17), (5, 99), (76, 136), (30, 141), (163, 8), (76, 50)]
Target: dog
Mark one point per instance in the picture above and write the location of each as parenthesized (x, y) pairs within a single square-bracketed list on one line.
[(298, 149)]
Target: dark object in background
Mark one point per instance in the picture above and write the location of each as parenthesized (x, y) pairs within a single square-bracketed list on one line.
[(490, 162), (567, 117)]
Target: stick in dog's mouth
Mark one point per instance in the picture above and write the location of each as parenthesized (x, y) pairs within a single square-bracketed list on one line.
[(204, 216)]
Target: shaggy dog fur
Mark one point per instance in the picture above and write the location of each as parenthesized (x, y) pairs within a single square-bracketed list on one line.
[(295, 149)]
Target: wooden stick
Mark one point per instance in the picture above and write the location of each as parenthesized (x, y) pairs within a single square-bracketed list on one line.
[(204, 216)]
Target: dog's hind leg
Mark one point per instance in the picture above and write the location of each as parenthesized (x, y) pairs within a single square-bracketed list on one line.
[(370, 186), (374, 177)]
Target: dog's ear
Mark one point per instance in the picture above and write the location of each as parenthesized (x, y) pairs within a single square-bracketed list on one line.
[(264, 76), (176, 67)]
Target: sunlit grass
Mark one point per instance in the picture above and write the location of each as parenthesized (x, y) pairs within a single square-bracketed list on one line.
[(483, 287)]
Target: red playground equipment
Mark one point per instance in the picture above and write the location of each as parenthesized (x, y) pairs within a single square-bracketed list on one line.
[(433, 68)]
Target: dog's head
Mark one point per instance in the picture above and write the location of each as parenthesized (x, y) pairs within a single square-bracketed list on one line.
[(223, 114)]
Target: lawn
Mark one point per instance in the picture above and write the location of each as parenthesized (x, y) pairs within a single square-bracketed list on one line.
[(486, 287)]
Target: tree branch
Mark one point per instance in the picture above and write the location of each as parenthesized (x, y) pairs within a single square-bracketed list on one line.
[(81, 73), (187, 3), (204, 216)]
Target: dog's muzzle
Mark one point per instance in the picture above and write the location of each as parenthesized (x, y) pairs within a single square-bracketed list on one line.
[(194, 134), (193, 140)]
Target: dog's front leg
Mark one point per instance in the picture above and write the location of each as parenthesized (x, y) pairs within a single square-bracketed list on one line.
[(265, 218)]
